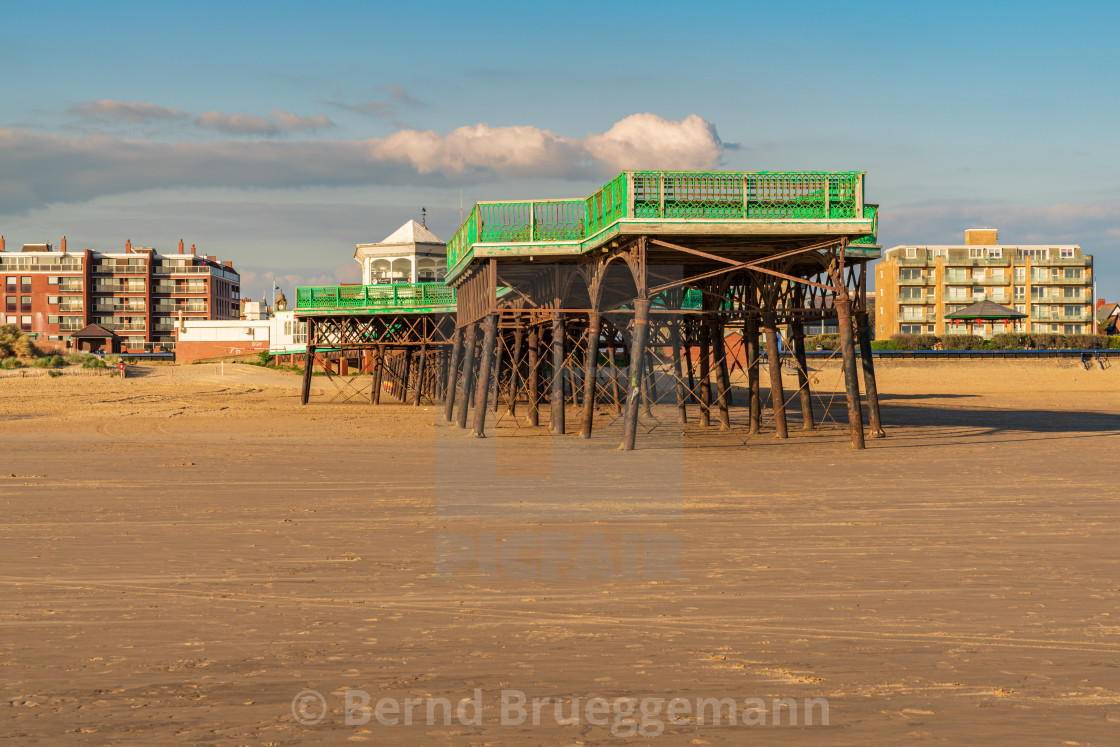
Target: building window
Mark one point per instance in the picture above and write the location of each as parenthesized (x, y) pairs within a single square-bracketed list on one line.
[(1034, 253), (910, 293), (1073, 273), (25, 303), (1071, 311), (911, 329), (909, 273), (976, 252), (1021, 308), (25, 323), (911, 252), (1020, 274), (11, 284), (978, 275), (1067, 252), (52, 320), (1020, 292), (995, 252), (913, 313)]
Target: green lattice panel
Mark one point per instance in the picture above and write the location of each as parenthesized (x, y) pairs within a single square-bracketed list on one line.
[(607, 205)]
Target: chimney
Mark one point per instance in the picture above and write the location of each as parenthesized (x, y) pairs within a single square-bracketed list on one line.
[(211, 258), (1, 243), (981, 237), (180, 246), (128, 247), (229, 263), (192, 250), (64, 245)]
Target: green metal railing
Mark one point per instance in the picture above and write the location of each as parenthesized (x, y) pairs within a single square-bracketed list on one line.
[(385, 296), (668, 195)]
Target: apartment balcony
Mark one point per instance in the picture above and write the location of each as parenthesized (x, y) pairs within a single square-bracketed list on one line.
[(1046, 316), (1067, 261), (117, 288), (193, 270), (190, 308), (188, 288), (71, 326), (930, 315), (108, 268), (20, 264), (917, 281), (961, 280), (73, 287), (124, 326), (119, 309), (913, 261), (1062, 281), (978, 262)]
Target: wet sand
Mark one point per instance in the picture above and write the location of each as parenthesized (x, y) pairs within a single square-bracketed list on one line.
[(183, 552)]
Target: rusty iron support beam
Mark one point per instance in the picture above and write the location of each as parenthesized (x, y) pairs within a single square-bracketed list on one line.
[(308, 364), (467, 379), (678, 374), (802, 375), (590, 371), (486, 366), (532, 416), (869, 383), (705, 332), (851, 381), (452, 377), (637, 359), (774, 364), (556, 424), (723, 395)]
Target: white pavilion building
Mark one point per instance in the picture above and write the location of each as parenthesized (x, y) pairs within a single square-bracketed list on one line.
[(411, 254)]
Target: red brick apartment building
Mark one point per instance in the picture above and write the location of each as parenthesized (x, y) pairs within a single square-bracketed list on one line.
[(138, 293)]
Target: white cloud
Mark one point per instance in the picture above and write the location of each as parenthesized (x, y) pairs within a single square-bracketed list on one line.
[(237, 124), (246, 124), (126, 111), (37, 170), (291, 122), (647, 141)]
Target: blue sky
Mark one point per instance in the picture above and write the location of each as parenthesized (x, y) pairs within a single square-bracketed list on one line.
[(279, 135)]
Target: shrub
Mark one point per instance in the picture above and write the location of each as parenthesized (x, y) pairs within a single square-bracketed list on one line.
[(889, 345), (826, 342), (13, 342), (76, 357), (52, 373), (49, 361), (1114, 342), (93, 362), (11, 362), (1087, 342), (264, 356), (962, 342), (1011, 341), (112, 359)]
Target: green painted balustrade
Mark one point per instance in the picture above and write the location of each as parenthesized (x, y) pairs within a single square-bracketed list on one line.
[(385, 296), (668, 196)]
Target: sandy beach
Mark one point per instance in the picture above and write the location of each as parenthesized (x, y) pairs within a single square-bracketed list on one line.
[(184, 551)]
